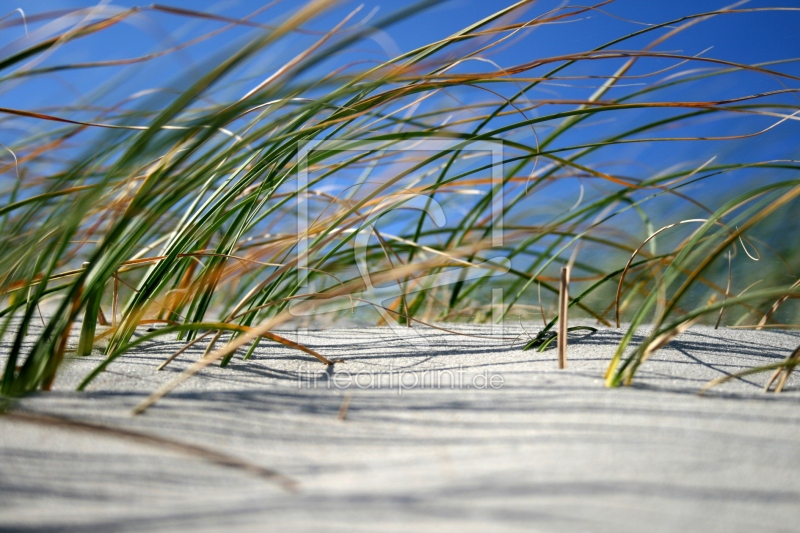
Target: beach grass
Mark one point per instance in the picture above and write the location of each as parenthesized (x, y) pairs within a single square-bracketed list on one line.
[(252, 197)]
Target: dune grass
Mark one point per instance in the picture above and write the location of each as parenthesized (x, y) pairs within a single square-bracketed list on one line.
[(182, 208)]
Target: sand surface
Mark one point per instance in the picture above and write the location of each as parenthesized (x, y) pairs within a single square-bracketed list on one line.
[(480, 436)]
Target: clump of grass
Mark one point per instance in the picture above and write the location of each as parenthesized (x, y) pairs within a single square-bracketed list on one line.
[(780, 374), (181, 206)]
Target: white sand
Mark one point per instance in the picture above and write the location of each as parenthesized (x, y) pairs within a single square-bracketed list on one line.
[(549, 450)]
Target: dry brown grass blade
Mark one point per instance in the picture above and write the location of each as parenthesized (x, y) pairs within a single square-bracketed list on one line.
[(344, 407), (251, 334), (563, 317), (633, 256), (774, 308), (43, 116), (782, 370), (781, 375), (661, 341), (161, 443), (182, 349), (148, 57), (286, 67), (727, 290), (145, 322)]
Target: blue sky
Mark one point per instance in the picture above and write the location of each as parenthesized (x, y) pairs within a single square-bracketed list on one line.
[(751, 38)]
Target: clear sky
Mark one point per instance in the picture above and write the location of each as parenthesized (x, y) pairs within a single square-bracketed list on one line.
[(745, 38)]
